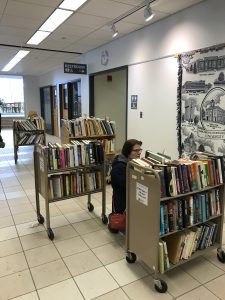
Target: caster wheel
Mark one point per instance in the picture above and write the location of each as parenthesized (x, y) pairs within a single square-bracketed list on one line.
[(50, 234), (90, 207), (161, 286), (112, 230), (221, 256), (104, 219), (131, 257), (40, 219)]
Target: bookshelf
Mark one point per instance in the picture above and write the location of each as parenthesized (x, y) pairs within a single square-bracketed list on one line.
[(90, 128), (189, 223), (68, 171), (27, 132)]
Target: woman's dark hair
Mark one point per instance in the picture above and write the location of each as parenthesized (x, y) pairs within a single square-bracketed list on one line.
[(128, 146)]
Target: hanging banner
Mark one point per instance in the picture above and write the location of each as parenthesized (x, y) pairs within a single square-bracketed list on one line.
[(201, 101)]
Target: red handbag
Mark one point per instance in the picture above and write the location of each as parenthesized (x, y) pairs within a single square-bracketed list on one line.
[(117, 222)]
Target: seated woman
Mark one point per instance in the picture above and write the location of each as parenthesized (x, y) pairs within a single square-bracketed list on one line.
[(131, 149)]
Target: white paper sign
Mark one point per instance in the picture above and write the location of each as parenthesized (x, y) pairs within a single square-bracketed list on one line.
[(142, 193)]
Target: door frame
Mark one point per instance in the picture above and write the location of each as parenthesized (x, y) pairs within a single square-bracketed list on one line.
[(92, 90)]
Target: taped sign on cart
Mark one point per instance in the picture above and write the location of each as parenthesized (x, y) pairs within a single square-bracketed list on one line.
[(142, 193)]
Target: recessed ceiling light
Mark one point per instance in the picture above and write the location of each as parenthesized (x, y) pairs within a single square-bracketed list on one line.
[(20, 55), (38, 37), (56, 19), (72, 4)]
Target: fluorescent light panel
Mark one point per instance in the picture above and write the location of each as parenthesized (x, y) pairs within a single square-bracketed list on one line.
[(38, 37), (56, 19), (20, 55), (72, 4)]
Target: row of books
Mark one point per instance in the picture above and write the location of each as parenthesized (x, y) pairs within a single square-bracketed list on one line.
[(182, 213), (164, 263), (78, 153), (69, 184), (185, 175), (85, 126), (36, 123), (108, 145), (183, 244), (30, 139)]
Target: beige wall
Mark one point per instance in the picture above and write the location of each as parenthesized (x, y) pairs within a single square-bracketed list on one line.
[(110, 100)]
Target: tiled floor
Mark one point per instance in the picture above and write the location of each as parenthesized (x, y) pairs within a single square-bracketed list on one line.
[(84, 261)]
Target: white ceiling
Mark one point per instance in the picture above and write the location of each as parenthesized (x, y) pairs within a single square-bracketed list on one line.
[(85, 30)]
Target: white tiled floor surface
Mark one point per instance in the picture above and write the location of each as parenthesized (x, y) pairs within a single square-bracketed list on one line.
[(84, 261)]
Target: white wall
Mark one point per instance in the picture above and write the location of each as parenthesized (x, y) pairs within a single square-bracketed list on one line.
[(31, 94)]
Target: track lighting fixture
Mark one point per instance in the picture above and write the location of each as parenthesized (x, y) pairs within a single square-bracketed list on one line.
[(148, 14), (114, 31)]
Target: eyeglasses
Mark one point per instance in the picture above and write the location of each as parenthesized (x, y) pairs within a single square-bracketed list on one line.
[(137, 150)]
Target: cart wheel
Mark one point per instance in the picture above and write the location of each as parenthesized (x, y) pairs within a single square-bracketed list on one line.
[(104, 219), (40, 219), (131, 257), (50, 234), (221, 256), (90, 207), (112, 230), (160, 286)]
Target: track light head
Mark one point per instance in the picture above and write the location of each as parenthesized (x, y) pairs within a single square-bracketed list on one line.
[(148, 14), (114, 31)]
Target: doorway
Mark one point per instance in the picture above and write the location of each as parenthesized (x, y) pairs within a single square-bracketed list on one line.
[(108, 98), (49, 110)]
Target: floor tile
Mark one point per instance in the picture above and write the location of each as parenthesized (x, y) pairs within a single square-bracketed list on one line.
[(29, 228), (144, 289), (35, 240), (69, 208), (99, 238), (25, 217), (49, 273), (41, 255), (217, 287), (109, 253), (8, 233), (21, 208), (71, 246), (29, 296), (57, 221), (64, 232), (82, 262), (12, 195), (95, 283), (5, 212), (200, 293), (125, 273), (202, 270), (12, 264), (77, 216), (22, 284), (9, 247), (6, 221), (179, 282), (86, 226), (66, 289), (2, 196), (116, 294)]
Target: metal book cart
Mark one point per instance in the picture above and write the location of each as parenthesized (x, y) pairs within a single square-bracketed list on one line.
[(29, 133), (143, 220), (42, 177)]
